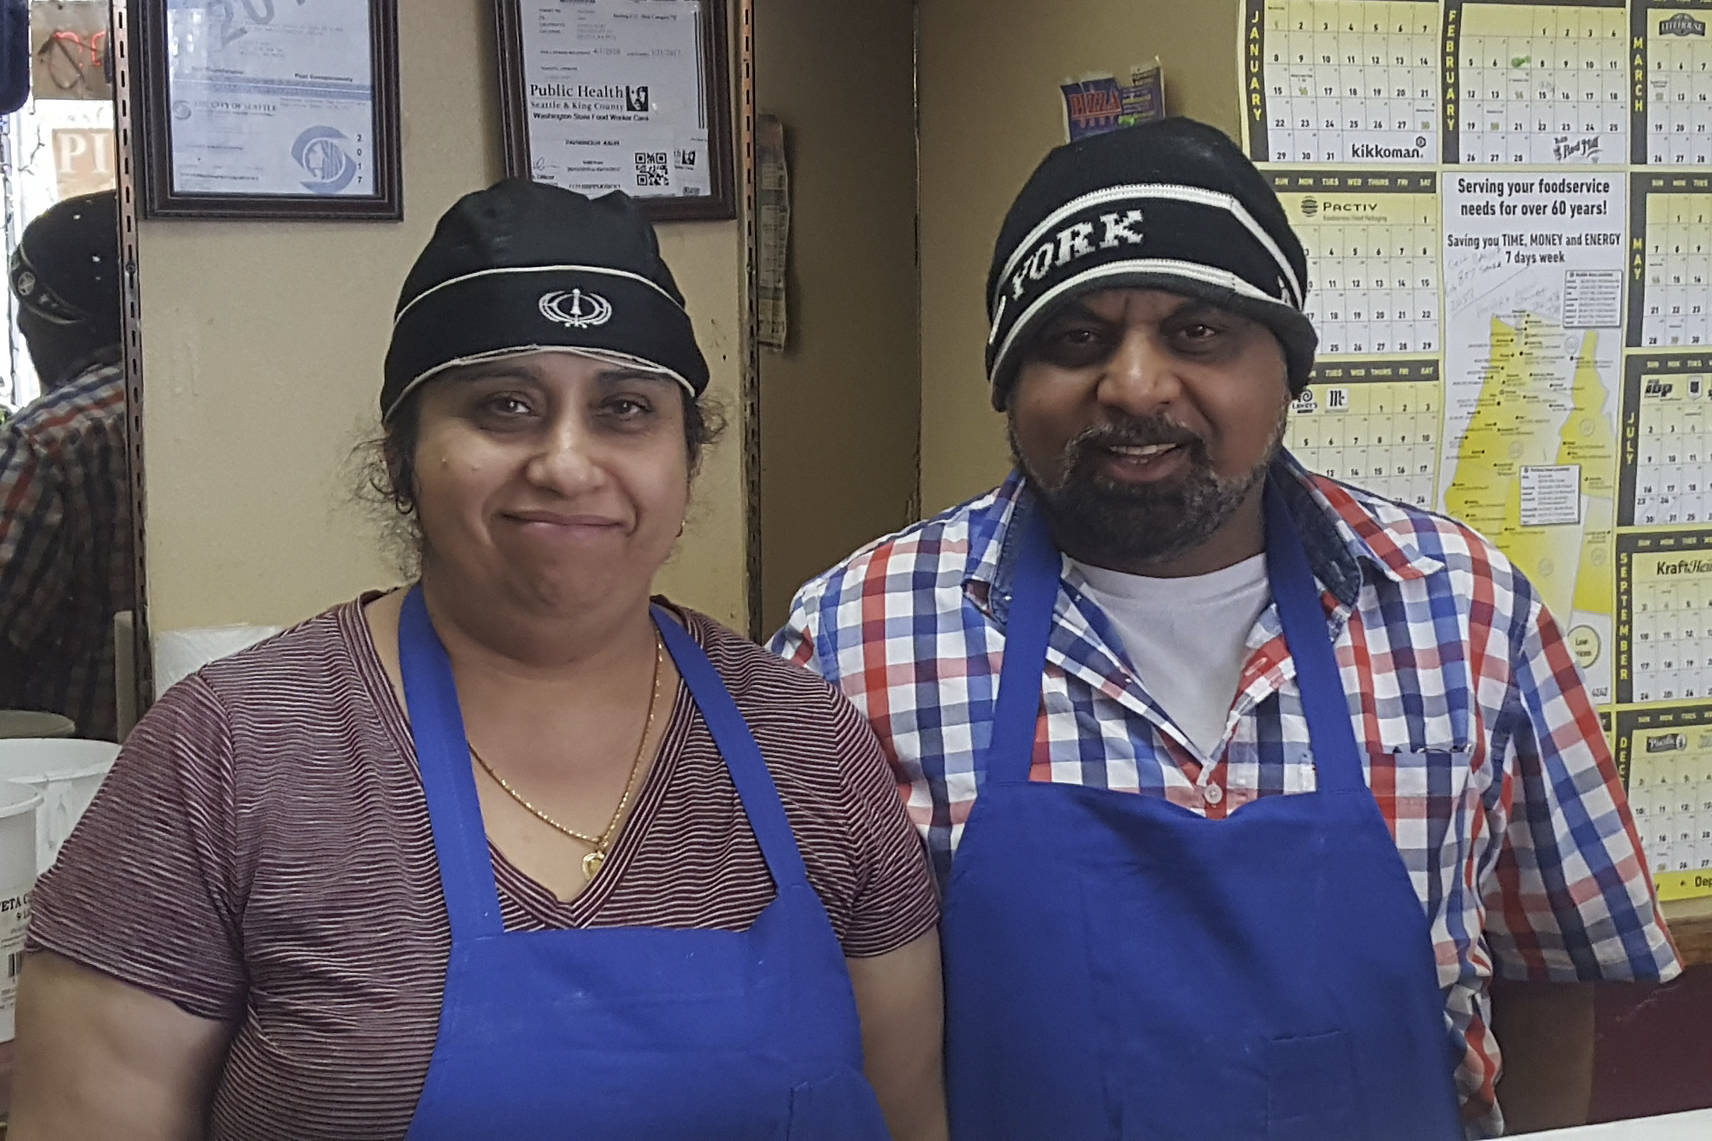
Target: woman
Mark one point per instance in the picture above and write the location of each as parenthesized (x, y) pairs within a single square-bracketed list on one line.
[(498, 856)]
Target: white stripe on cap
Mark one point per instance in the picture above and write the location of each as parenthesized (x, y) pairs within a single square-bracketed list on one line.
[(609, 272), (1198, 195), (1162, 267)]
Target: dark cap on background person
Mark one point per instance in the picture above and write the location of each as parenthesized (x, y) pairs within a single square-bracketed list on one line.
[(1172, 205), (526, 267), (65, 271)]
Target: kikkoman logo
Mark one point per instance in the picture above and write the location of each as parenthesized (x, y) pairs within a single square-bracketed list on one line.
[(1682, 24), (1375, 150)]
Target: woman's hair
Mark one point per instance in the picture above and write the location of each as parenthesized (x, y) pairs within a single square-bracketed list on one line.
[(387, 467)]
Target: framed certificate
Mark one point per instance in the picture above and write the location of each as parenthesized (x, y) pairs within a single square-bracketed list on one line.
[(270, 108), (630, 95)]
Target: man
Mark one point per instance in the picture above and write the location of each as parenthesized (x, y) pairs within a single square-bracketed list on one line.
[(1160, 619), (65, 499)]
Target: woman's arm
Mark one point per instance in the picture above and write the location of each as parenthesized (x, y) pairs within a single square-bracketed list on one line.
[(902, 1006), (101, 1060)]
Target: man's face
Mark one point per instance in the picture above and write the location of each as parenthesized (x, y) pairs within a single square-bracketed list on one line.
[(1144, 420)]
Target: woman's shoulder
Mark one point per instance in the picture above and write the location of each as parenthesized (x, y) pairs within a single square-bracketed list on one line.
[(801, 722), (320, 662), (751, 672)]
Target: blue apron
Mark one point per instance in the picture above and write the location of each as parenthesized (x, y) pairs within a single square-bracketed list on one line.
[(1120, 967), (630, 1032)]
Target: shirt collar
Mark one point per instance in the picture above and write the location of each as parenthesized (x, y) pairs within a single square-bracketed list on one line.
[(1340, 532)]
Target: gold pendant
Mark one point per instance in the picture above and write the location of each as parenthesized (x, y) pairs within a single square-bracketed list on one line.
[(592, 863)]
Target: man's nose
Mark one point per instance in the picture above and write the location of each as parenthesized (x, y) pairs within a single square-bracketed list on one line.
[(1141, 375)]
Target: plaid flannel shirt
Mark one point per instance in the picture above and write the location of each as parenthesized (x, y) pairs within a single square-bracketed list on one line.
[(1484, 751), (65, 546)]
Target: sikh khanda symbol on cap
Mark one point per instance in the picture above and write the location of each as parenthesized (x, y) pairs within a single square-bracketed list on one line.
[(576, 309)]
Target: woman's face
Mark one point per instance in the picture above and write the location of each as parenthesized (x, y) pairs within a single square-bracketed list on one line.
[(552, 478)]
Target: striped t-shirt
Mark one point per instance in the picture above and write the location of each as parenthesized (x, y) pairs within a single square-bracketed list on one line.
[(261, 854)]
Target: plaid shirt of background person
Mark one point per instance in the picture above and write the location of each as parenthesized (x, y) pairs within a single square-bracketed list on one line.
[(1484, 751), (65, 546)]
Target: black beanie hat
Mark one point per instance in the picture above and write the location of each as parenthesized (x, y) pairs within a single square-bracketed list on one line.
[(524, 267), (1172, 205), (66, 266)]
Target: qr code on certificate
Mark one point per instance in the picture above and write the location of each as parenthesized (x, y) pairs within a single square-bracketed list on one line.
[(652, 169)]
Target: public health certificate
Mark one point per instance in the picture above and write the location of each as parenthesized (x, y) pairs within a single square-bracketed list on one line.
[(615, 96)]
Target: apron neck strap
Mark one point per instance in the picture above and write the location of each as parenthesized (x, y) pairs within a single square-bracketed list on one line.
[(443, 756), (1028, 629), (755, 788), (1296, 593)]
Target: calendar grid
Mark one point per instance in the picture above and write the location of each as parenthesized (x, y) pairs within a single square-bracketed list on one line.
[(1507, 210)]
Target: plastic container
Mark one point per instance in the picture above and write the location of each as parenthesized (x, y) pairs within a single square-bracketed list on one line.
[(66, 771), (34, 723), (18, 806)]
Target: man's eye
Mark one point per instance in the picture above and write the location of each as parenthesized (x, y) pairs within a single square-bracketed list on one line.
[(1199, 331), (1077, 338)]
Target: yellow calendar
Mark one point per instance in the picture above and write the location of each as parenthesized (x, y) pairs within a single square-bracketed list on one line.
[(1507, 211), (1373, 242), (1670, 291), (1667, 442), (1541, 83), (1665, 757), (1339, 81), (1374, 424), (1673, 83)]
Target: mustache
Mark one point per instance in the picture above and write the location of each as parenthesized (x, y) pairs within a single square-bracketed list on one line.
[(1133, 432)]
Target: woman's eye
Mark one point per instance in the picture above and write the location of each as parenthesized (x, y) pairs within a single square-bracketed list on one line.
[(626, 408), (506, 406)]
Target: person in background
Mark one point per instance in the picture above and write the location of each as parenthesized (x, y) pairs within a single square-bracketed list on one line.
[(518, 851), (66, 563), (1245, 787)]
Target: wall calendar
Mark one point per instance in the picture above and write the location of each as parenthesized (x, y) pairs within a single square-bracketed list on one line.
[(1507, 207)]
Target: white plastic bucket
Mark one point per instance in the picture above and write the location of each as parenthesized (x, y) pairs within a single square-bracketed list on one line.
[(34, 723), (66, 771), (18, 810)]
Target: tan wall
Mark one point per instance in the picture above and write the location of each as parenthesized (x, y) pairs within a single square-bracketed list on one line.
[(840, 408), (263, 345), (990, 109)]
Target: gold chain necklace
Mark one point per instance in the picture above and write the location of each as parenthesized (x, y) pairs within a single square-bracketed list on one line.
[(602, 843)]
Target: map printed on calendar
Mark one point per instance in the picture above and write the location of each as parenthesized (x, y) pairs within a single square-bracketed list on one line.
[(1507, 209)]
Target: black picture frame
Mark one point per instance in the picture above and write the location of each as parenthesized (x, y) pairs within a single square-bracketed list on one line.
[(721, 204), (161, 199)]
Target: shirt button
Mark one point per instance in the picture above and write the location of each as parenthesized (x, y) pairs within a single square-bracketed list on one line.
[(1212, 794)]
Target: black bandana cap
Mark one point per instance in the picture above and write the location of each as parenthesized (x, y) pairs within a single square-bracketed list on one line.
[(526, 267), (1172, 205), (66, 267)]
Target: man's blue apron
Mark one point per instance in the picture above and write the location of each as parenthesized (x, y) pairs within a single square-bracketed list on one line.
[(631, 1032), (1120, 967)]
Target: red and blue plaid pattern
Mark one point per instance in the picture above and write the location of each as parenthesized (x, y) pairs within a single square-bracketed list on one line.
[(1485, 753)]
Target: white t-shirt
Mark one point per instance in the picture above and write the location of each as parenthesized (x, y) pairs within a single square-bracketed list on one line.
[(1186, 637)]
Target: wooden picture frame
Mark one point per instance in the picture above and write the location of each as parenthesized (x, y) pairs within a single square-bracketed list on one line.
[(527, 150), (308, 144)]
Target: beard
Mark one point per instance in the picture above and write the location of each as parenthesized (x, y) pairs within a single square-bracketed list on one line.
[(1116, 523)]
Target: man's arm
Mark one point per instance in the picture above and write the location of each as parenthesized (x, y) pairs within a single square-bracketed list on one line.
[(1569, 899), (1546, 1033)]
